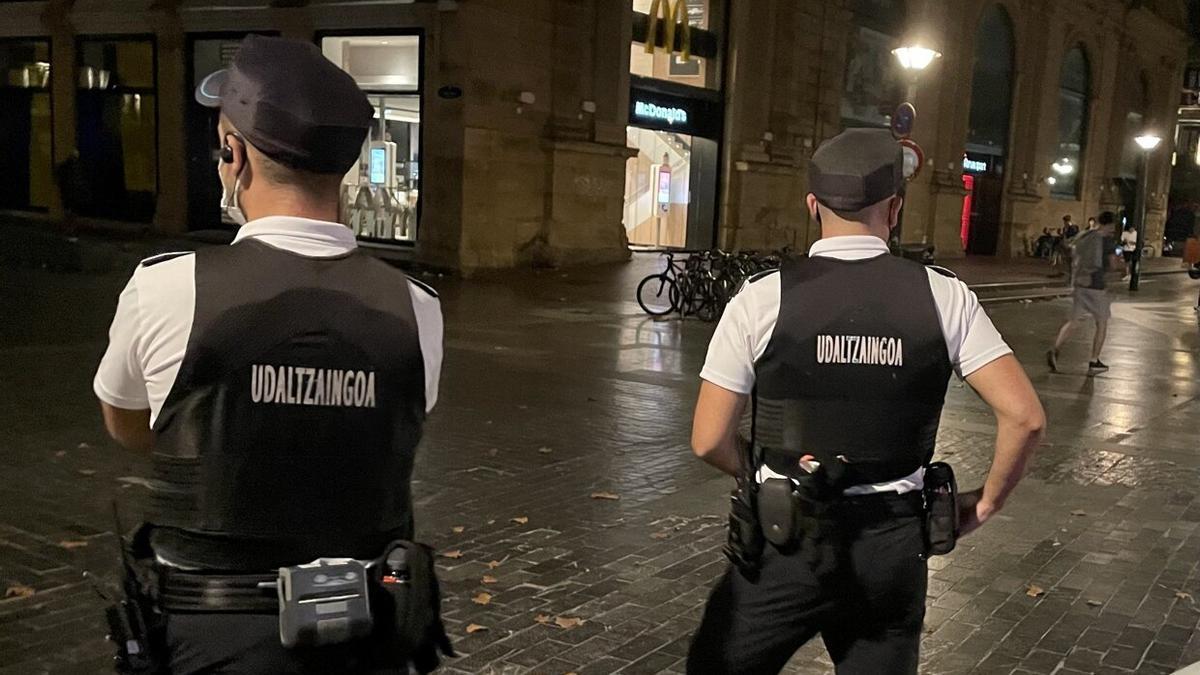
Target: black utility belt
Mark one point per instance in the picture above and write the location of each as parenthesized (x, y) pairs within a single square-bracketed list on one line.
[(393, 599), (792, 509)]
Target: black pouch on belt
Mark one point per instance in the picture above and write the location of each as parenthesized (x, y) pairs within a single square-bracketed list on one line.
[(941, 509), (777, 511), (407, 606)]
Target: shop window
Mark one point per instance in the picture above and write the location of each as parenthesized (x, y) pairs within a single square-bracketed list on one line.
[(381, 194), (117, 128), (871, 87), (1072, 125), (690, 26), (26, 162)]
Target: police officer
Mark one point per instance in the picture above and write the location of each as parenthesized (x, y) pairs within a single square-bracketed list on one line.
[(845, 357), (282, 382)]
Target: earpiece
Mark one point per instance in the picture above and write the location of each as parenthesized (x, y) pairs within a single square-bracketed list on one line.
[(226, 152)]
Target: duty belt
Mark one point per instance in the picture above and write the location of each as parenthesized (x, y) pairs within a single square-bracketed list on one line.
[(180, 591), (842, 476)]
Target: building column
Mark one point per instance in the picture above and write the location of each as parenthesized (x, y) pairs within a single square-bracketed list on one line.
[(171, 205), (56, 19)]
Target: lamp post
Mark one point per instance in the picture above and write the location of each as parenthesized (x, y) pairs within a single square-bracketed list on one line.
[(1147, 142), (914, 59)]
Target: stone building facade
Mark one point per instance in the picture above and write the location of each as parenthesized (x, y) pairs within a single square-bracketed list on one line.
[(507, 139)]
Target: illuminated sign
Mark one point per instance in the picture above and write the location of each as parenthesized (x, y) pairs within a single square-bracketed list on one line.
[(672, 15), (650, 111), (974, 165)]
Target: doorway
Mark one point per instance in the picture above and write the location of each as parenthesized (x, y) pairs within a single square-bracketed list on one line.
[(670, 189)]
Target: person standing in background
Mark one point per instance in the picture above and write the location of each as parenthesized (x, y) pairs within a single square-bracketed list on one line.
[(1129, 239)]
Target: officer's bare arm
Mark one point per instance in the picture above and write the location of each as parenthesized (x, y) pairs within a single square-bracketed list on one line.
[(130, 428), (1020, 421), (714, 429)]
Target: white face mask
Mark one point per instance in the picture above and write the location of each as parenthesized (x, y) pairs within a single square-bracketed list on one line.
[(229, 200)]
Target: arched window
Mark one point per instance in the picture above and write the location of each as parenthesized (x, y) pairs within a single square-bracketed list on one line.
[(1073, 93), (991, 89), (872, 84)]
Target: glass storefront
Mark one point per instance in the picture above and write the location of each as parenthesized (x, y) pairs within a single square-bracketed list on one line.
[(656, 188), (381, 194), (117, 128), (26, 162)]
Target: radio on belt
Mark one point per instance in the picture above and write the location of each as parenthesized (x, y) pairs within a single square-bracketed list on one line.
[(324, 602)]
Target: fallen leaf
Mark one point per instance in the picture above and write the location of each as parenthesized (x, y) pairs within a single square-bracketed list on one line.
[(87, 472), (475, 628), (659, 535), (18, 591), (83, 446), (1184, 596), (545, 451), (1079, 512), (482, 599), (489, 579), (493, 452), (542, 619), (493, 564), (453, 555), (520, 520), (61, 453), (1035, 591), (567, 622), (1094, 603), (458, 529), (67, 544), (492, 521), (605, 495)]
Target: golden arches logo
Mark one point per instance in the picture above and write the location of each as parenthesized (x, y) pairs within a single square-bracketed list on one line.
[(671, 14)]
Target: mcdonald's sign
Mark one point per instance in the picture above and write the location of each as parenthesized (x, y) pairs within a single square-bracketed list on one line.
[(672, 15)]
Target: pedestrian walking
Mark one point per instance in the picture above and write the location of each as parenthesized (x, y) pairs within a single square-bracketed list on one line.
[(843, 358), (282, 383), (1091, 251)]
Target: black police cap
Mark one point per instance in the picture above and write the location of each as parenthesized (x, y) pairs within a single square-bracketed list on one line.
[(292, 103), (855, 169)]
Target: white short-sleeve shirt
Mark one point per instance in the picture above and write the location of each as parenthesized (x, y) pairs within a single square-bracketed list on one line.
[(150, 330), (749, 321)]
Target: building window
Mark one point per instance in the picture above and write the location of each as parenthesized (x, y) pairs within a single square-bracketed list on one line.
[(691, 27), (117, 128), (1074, 89), (381, 194), (872, 84), (26, 162)]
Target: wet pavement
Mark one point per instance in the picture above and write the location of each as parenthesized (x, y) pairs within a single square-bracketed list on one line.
[(579, 533)]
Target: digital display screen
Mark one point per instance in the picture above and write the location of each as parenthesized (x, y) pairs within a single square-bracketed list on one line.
[(378, 172), (664, 187)]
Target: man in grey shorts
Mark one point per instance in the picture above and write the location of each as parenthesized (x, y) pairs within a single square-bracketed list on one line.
[(1090, 252)]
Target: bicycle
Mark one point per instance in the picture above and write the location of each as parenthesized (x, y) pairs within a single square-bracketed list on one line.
[(664, 295)]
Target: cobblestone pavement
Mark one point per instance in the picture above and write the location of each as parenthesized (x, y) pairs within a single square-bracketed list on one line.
[(558, 393)]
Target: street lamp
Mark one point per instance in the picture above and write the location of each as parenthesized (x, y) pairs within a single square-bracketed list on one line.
[(1147, 142), (913, 59)]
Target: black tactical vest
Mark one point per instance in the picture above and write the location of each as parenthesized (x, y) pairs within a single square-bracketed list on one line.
[(290, 431), (856, 369)]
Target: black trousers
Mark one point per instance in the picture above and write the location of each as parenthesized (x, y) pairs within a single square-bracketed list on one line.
[(248, 644), (869, 608)]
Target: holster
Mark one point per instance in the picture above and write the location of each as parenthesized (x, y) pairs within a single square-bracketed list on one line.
[(941, 509), (135, 625), (406, 603), (744, 545)]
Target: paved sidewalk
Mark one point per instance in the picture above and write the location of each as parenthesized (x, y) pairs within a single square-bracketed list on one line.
[(558, 395)]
